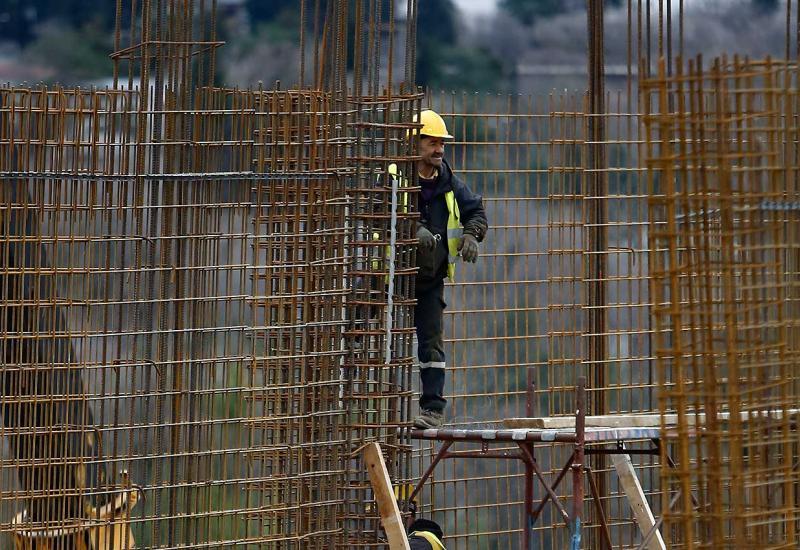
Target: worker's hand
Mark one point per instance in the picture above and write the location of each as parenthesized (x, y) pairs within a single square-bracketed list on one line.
[(468, 246), (426, 239)]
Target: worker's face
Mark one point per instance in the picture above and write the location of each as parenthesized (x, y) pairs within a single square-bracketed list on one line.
[(431, 149)]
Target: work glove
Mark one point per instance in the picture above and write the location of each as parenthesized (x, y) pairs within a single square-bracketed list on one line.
[(468, 246), (426, 239)]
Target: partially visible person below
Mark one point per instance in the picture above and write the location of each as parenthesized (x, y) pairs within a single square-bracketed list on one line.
[(425, 534)]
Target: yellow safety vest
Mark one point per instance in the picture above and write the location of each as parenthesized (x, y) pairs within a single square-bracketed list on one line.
[(454, 228), (401, 183), (431, 538), (454, 233)]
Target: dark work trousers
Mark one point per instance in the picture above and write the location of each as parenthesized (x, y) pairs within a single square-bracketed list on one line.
[(428, 318)]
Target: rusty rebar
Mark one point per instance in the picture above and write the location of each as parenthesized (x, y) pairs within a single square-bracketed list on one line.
[(722, 219)]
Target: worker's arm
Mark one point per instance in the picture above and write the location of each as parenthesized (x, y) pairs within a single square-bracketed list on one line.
[(470, 205)]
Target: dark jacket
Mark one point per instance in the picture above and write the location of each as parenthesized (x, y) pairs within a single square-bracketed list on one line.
[(434, 214), (419, 543)]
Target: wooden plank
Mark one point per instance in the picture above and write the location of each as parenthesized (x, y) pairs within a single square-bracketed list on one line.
[(626, 420), (633, 490), (387, 505), (568, 422)]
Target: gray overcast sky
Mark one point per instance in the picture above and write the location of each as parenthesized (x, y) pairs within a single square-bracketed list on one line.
[(476, 7)]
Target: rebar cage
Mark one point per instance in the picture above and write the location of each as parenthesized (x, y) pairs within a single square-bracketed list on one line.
[(722, 161), (201, 321), (215, 333)]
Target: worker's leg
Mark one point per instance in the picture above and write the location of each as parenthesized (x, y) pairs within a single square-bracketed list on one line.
[(428, 317)]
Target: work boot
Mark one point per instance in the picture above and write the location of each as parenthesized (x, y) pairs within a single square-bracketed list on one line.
[(428, 418)]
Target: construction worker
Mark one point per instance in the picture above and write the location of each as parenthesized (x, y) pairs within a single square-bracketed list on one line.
[(452, 223), (425, 534)]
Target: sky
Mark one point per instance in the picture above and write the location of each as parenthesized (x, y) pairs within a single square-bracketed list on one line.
[(476, 7)]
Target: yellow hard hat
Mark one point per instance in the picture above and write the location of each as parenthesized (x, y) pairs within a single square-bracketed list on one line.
[(432, 125)]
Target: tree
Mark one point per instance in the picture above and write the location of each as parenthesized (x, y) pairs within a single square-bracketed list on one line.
[(259, 10), (529, 11), (436, 31), (72, 54), (16, 22), (436, 20), (443, 61), (19, 18), (472, 69), (765, 6)]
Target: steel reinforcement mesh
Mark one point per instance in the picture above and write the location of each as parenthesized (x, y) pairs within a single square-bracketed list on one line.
[(332, 314), (124, 322), (207, 297), (202, 320), (723, 158), (299, 289), (195, 347), (529, 303)]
